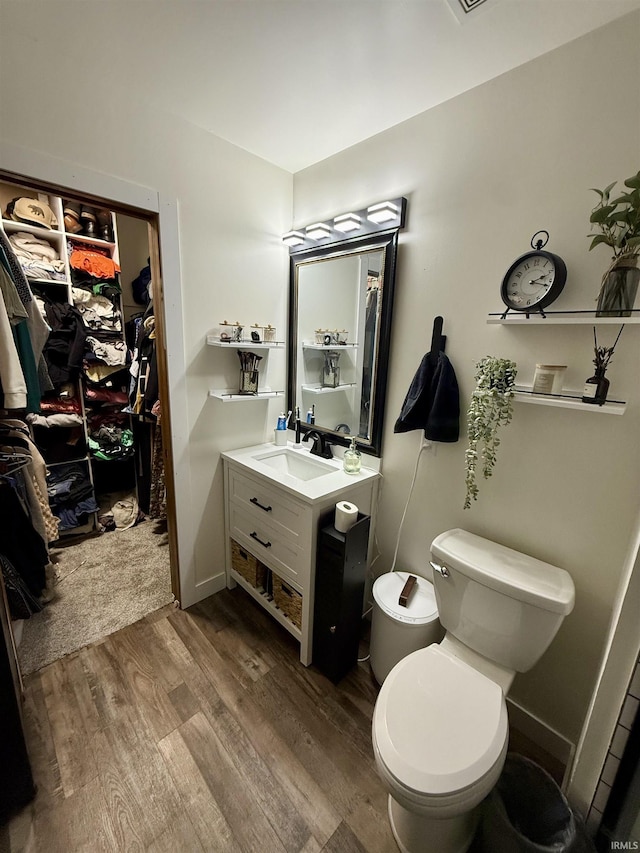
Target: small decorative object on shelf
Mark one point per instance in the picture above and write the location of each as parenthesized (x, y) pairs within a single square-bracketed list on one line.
[(491, 406), (269, 332), (331, 370), (596, 387), (248, 372), (256, 333), (618, 221), (231, 331), (548, 378)]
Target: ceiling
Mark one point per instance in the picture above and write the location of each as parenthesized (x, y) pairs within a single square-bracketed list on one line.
[(295, 81)]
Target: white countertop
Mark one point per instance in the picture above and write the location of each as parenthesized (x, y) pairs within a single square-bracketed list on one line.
[(328, 485)]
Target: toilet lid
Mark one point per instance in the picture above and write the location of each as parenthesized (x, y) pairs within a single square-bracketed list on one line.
[(439, 725)]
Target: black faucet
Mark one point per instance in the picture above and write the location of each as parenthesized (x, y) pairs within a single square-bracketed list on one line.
[(321, 445)]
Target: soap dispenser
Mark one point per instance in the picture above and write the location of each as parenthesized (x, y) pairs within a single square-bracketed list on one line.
[(352, 461)]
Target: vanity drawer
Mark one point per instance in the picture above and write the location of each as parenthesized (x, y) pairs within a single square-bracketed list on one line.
[(266, 504), (269, 545)]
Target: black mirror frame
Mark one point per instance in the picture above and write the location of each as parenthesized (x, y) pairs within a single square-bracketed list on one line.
[(387, 240)]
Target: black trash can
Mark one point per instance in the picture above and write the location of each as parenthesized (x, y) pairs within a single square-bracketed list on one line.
[(528, 813)]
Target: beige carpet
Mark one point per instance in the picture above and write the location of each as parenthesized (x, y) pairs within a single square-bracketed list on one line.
[(102, 584)]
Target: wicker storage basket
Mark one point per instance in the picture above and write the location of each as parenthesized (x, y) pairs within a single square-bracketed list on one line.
[(251, 569), (288, 600)]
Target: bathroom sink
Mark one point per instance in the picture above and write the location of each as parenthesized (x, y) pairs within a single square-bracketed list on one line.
[(287, 461)]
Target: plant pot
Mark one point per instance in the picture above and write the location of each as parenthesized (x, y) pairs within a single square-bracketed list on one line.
[(619, 289)]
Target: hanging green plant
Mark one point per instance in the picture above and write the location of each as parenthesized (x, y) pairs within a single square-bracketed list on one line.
[(491, 406)]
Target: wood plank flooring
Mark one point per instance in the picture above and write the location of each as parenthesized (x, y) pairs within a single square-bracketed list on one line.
[(196, 731), (199, 731)]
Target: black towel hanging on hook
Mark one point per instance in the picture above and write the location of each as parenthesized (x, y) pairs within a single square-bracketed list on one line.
[(432, 402)]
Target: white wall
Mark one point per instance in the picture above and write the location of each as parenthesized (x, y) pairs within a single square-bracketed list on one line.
[(482, 173), (233, 209)]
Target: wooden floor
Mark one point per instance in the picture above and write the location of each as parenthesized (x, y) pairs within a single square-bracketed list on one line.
[(196, 731)]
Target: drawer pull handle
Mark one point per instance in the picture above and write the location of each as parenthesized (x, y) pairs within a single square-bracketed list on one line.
[(255, 536), (257, 503)]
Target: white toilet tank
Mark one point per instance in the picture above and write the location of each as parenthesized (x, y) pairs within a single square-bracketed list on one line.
[(504, 605)]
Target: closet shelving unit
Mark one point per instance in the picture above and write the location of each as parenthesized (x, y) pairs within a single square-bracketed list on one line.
[(228, 395), (567, 399), (61, 291)]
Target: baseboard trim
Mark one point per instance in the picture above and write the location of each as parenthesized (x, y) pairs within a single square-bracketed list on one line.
[(209, 587), (541, 734)]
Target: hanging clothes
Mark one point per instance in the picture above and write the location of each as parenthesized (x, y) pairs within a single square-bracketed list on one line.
[(15, 433), (64, 349), (14, 387), (23, 553)]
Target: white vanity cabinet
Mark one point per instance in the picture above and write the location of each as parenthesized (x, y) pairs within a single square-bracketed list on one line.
[(275, 517)]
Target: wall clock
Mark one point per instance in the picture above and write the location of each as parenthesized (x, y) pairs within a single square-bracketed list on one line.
[(534, 280)]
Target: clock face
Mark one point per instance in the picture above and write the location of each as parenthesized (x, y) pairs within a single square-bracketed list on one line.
[(533, 281)]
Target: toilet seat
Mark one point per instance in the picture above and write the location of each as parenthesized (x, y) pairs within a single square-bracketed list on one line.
[(440, 726)]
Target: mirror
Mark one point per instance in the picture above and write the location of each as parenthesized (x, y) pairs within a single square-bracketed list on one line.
[(340, 306)]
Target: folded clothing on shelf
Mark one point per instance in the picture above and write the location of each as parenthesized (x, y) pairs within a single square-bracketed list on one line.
[(94, 261), (110, 443), (109, 287), (38, 258), (71, 494), (98, 312), (110, 352)]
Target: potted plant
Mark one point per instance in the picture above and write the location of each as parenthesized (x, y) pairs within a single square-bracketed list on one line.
[(618, 222), (491, 406)]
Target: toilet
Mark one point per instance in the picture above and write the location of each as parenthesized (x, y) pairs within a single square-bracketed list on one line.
[(440, 727)]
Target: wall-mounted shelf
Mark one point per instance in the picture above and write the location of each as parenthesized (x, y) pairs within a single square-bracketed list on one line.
[(328, 346), (214, 341), (568, 400), (319, 389), (563, 318), (234, 397)]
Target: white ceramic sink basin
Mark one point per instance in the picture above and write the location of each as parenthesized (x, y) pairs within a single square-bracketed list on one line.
[(287, 461)]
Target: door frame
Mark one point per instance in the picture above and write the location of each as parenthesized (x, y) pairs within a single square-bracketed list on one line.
[(161, 213)]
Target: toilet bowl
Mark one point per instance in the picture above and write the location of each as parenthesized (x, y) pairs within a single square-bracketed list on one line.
[(440, 734), (440, 725)]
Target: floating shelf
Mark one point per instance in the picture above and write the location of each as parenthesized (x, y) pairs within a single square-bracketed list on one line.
[(267, 602), (328, 346), (319, 389), (563, 318), (569, 400), (48, 281), (234, 397), (214, 341)]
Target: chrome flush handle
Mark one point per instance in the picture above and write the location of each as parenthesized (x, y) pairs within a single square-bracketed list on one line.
[(441, 570)]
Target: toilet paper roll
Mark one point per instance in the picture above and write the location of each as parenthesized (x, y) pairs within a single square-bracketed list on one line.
[(346, 516)]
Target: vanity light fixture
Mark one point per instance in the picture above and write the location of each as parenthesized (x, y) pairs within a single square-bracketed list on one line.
[(318, 230), (293, 238), (347, 222), (358, 222), (382, 212)]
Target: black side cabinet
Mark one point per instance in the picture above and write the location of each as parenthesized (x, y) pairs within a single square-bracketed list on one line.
[(341, 566)]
